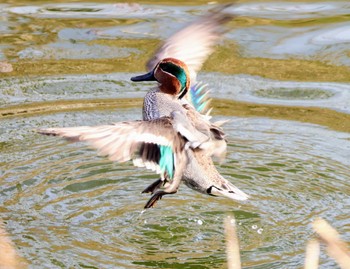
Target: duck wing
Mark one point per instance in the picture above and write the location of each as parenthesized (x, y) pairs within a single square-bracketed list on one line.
[(157, 145), (194, 43)]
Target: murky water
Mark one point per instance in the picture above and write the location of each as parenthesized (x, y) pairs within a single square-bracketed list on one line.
[(282, 74)]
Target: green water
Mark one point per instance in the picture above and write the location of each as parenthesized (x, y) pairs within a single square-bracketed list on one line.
[(281, 76)]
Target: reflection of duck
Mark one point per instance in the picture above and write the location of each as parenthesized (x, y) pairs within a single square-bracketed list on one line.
[(173, 139)]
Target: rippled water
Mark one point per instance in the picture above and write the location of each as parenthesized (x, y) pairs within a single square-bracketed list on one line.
[(231, 87), (75, 208), (282, 68)]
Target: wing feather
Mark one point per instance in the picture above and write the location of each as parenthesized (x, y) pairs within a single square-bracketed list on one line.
[(194, 43), (137, 140)]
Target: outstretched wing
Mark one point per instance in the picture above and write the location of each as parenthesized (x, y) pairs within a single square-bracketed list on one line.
[(155, 144), (194, 43)]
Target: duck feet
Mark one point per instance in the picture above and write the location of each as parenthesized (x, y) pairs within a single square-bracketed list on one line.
[(154, 186), (156, 197), (170, 188)]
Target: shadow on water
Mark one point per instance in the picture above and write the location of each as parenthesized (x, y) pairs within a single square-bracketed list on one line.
[(282, 79)]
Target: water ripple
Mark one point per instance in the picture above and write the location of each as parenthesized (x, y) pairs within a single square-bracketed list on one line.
[(238, 87), (287, 93), (328, 43), (94, 10), (341, 34), (292, 11), (276, 10), (66, 50), (67, 207), (27, 90)]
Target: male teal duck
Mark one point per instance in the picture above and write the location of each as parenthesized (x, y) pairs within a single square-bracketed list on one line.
[(173, 139), (199, 172)]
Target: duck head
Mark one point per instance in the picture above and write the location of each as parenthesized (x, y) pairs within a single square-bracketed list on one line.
[(172, 75)]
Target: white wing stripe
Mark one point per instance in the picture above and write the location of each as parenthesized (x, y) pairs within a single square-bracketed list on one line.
[(155, 139)]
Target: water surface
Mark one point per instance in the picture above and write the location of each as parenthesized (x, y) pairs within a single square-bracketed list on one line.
[(281, 76)]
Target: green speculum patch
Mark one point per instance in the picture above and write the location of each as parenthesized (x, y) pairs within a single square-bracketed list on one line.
[(166, 161)]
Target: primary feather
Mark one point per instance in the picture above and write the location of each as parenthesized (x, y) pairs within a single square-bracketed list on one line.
[(194, 43), (151, 144)]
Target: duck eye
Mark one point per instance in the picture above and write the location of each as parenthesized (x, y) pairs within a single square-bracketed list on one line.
[(167, 68), (177, 72)]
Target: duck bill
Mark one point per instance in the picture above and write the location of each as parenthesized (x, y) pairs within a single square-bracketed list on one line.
[(146, 77)]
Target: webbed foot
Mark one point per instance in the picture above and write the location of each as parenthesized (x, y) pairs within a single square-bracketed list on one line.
[(156, 197), (154, 186)]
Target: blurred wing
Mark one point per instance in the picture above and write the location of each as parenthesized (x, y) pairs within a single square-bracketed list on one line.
[(198, 96), (194, 43), (151, 144)]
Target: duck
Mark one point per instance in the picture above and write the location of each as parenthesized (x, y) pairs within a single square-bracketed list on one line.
[(175, 138), (174, 66), (158, 145), (199, 173)]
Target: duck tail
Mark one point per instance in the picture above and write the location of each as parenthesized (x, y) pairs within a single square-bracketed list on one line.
[(228, 190)]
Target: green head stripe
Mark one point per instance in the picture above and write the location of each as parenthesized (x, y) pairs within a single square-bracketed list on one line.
[(177, 71), (166, 161)]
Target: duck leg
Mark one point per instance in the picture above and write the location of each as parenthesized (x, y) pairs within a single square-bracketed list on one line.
[(155, 186), (171, 188), (158, 195)]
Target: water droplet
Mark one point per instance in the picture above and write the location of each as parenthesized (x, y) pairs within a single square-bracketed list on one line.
[(260, 230), (199, 222), (254, 227)]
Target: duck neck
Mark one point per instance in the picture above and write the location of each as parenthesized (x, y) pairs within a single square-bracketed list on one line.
[(170, 86)]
